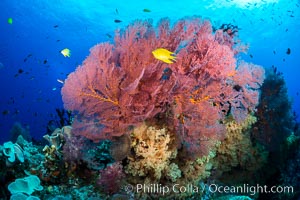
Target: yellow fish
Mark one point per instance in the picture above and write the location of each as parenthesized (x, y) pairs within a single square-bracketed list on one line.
[(164, 55), (66, 52), (10, 20), (232, 73)]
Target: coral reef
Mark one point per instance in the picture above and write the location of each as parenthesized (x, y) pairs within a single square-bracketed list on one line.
[(121, 85), (57, 137), (137, 120), (173, 122)]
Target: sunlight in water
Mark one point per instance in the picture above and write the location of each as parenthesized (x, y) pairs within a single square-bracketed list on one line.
[(245, 4)]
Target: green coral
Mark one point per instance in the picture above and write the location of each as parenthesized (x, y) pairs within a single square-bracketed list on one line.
[(173, 172), (292, 139)]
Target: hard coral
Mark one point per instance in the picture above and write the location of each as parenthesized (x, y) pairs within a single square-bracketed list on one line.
[(13, 153)]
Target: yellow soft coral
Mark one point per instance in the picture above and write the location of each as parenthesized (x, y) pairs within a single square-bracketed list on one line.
[(237, 148), (238, 128), (153, 151)]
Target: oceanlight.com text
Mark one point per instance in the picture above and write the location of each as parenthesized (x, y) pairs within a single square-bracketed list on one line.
[(249, 189), (211, 188)]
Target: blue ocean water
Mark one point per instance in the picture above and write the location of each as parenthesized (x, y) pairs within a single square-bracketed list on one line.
[(31, 63)]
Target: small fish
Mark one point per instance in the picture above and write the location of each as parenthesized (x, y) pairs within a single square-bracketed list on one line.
[(45, 61), (5, 112), (11, 101), (146, 10), (28, 56), (164, 55), (274, 69), (66, 52), (57, 40), (117, 21), (1, 65), (60, 81), (55, 26), (20, 71), (10, 20), (16, 112), (166, 74), (251, 56), (117, 12), (108, 35), (54, 88), (231, 74), (288, 51), (39, 99), (274, 52)]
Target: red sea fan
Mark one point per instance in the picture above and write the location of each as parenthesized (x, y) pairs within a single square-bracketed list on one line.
[(96, 81), (118, 85), (93, 89), (246, 84), (202, 128)]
